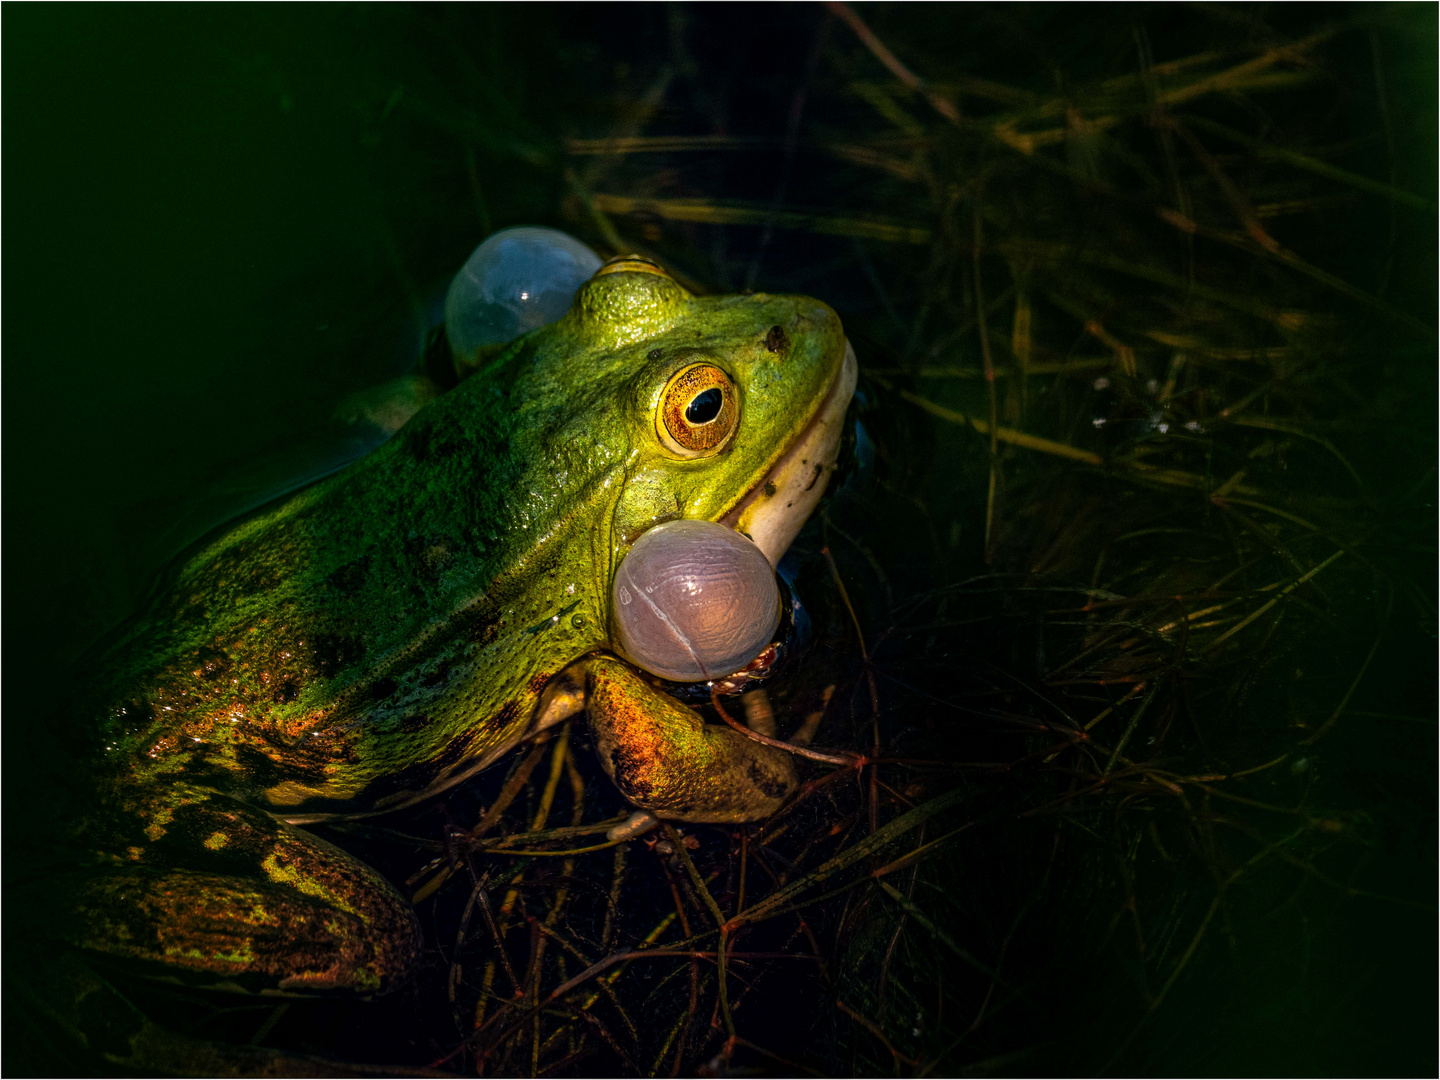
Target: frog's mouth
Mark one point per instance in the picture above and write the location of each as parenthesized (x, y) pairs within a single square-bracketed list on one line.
[(772, 512)]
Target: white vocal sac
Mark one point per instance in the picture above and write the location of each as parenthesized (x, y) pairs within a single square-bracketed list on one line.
[(694, 601)]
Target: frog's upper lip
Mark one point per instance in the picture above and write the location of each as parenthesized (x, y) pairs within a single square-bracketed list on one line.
[(797, 472)]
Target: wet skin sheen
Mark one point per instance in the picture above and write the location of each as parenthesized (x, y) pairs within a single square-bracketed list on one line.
[(389, 631)]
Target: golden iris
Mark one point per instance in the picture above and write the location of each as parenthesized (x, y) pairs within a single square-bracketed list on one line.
[(698, 410)]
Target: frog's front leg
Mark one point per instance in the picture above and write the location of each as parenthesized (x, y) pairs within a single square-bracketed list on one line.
[(664, 757), (220, 893)]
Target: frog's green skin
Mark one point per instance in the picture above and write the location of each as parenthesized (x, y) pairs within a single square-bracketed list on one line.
[(387, 632)]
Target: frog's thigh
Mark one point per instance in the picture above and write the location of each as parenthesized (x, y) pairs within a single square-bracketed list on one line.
[(664, 758), (228, 895)]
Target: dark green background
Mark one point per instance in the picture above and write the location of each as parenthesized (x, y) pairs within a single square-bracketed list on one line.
[(213, 235)]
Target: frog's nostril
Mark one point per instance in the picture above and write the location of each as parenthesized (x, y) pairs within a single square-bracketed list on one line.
[(775, 340)]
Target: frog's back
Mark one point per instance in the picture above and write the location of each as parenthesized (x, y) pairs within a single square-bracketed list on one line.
[(347, 649)]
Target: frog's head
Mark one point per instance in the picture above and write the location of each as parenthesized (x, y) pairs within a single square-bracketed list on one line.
[(721, 408)]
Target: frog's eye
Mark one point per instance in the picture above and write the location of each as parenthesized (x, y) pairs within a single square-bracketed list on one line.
[(698, 411)]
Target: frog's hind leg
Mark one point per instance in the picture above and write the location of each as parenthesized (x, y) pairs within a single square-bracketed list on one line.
[(219, 893), (664, 758)]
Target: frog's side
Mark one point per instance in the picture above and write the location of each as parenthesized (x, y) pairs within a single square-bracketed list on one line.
[(391, 630)]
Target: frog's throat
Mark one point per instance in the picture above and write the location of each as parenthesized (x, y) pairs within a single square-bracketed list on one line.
[(772, 512)]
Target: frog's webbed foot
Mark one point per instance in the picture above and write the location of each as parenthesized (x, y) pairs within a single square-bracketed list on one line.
[(219, 893), (664, 758)]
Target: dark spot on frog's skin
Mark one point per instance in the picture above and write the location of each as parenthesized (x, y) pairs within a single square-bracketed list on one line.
[(631, 774), (537, 682), (258, 768), (770, 786), (286, 692), (654, 354), (770, 489), (193, 614), (211, 768), (503, 718), (350, 577), (428, 444), (430, 555), (439, 675), (775, 340), (333, 653), (818, 470), (211, 664), (456, 750), (382, 689)]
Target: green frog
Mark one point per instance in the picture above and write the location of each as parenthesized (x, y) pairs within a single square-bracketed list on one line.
[(393, 629)]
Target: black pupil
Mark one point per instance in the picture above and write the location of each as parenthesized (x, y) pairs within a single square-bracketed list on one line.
[(704, 407)]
